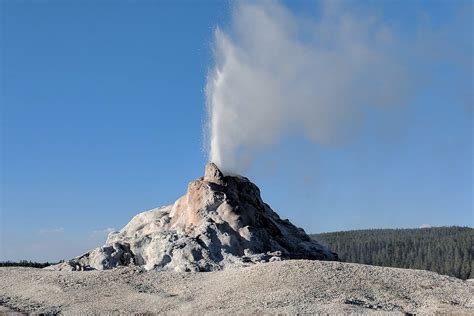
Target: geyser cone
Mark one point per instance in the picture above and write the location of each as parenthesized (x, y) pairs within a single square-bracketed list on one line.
[(221, 221)]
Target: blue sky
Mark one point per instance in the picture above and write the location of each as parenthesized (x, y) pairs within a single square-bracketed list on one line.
[(102, 112)]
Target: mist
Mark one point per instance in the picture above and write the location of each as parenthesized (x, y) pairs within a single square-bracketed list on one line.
[(277, 73)]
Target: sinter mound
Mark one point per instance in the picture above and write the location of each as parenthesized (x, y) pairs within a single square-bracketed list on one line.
[(220, 222)]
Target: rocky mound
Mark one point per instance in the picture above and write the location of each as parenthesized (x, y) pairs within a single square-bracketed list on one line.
[(220, 222)]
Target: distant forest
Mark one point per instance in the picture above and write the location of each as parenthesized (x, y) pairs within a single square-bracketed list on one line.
[(25, 263), (446, 250)]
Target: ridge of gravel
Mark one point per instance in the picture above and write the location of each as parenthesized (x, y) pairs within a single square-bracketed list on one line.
[(292, 286)]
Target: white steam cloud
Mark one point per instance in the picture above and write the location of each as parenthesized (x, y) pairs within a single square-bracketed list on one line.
[(278, 74)]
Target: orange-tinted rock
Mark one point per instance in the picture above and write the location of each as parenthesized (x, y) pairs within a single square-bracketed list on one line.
[(221, 221)]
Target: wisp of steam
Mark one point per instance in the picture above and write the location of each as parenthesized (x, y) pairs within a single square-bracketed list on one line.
[(276, 73)]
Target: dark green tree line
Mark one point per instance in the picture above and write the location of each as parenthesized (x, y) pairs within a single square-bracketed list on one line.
[(446, 250), (26, 263)]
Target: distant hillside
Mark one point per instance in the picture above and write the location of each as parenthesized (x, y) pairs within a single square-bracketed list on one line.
[(446, 250)]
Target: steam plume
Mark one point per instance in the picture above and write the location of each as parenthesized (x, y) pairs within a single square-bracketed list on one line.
[(276, 74)]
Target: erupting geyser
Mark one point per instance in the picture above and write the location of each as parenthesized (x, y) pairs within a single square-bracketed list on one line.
[(220, 222), (279, 74)]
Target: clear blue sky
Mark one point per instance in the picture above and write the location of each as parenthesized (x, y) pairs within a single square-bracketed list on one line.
[(102, 111)]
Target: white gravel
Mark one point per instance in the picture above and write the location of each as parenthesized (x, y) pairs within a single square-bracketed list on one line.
[(293, 286)]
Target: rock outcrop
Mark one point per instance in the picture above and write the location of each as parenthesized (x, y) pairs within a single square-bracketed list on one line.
[(220, 222)]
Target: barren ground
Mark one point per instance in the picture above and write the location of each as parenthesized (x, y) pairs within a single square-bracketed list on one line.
[(277, 287)]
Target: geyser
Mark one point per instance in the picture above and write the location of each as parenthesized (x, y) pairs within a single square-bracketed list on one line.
[(277, 74), (220, 222)]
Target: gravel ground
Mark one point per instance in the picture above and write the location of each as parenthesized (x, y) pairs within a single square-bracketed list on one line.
[(293, 286)]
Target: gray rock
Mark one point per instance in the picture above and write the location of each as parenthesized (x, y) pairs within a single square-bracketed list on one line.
[(220, 222), (213, 174)]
